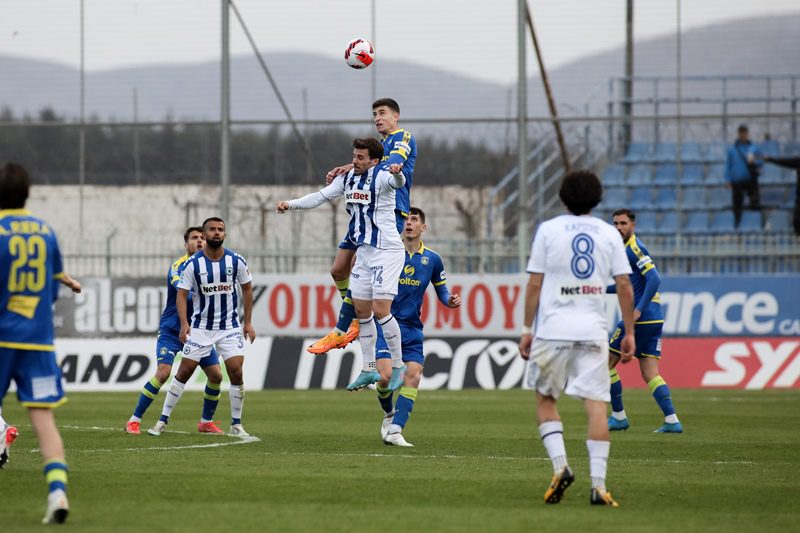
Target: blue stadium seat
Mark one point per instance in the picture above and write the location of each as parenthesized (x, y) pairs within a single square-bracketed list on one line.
[(666, 174), (666, 198), (613, 198), (664, 153), (751, 222), (722, 222), (716, 174), (694, 198), (641, 198), (691, 152), (716, 152), (696, 222), (771, 174), (692, 174), (776, 197), (646, 222), (637, 152), (640, 175), (780, 221), (719, 198), (614, 175), (791, 148), (669, 223), (770, 148)]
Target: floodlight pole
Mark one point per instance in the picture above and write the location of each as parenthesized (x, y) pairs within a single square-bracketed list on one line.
[(225, 115), (627, 87), (522, 136), (82, 133)]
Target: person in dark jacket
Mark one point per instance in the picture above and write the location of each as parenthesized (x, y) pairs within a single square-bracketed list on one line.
[(742, 167), (792, 162)]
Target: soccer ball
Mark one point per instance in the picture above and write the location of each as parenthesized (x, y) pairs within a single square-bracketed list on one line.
[(359, 53)]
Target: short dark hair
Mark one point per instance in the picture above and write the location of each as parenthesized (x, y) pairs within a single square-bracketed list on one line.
[(417, 211), (374, 148), (624, 211), (15, 183), (388, 102), (211, 219), (189, 230), (742, 127), (581, 191)]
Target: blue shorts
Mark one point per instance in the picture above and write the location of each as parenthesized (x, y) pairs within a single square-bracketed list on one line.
[(400, 218), (648, 339), (37, 375), (168, 346), (412, 338)]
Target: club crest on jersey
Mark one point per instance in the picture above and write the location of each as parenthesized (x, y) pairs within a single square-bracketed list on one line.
[(229, 271), (425, 260), (358, 197)]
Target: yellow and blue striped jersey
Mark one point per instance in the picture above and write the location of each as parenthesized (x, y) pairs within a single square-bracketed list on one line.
[(420, 269), (644, 269), (400, 147), (30, 267), (169, 324)]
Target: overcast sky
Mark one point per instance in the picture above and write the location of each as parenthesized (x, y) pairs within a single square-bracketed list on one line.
[(472, 37)]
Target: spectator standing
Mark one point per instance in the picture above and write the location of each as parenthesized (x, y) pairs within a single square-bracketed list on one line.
[(742, 168)]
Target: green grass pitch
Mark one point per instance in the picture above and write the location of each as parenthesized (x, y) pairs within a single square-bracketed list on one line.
[(478, 465)]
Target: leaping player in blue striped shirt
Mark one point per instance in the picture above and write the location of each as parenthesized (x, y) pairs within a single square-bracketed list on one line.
[(369, 190), (213, 274)]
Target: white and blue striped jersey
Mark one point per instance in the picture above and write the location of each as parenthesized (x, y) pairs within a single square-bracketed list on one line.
[(216, 301), (370, 200)]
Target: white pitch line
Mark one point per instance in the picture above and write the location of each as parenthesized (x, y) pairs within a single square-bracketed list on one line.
[(496, 458), (237, 441)]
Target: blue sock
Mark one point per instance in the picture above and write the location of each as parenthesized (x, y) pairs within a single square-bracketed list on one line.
[(56, 474), (149, 393), (210, 402), (660, 391), (347, 313), (405, 404), (385, 398), (616, 392)]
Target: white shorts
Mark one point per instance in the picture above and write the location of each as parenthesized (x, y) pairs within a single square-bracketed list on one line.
[(376, 273), (229, 343), (579, 368)]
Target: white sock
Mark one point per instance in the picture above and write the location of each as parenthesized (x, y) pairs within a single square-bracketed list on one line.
[(598, 462), (552, 434), (619, 415), (394, 428), (391, 332), (2, 422), (671, 419), (367, 333), (237, 400), (338, 331), (131, 419), (171, 398)]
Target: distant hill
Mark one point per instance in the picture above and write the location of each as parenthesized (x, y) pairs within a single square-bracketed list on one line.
[(767, 45)]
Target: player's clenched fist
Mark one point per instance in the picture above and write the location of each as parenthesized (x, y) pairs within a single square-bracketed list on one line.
[(282, 207)]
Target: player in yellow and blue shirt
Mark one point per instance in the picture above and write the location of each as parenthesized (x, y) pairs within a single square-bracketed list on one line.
[(649, 323), (169, 345), (399, 147), (423, 266), (30, 270)]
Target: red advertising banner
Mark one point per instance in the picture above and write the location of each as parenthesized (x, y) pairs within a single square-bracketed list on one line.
[(734, 362)]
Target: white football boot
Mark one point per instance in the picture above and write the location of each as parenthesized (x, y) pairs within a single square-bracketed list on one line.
[(387, 421), (57, 508), (238, 431), (158, 429), (396, 439)]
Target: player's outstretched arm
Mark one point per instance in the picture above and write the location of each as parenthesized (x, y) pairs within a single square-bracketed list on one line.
[(625, 297), (70, 282), (532, 292), (248, 329), (315, 199)]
